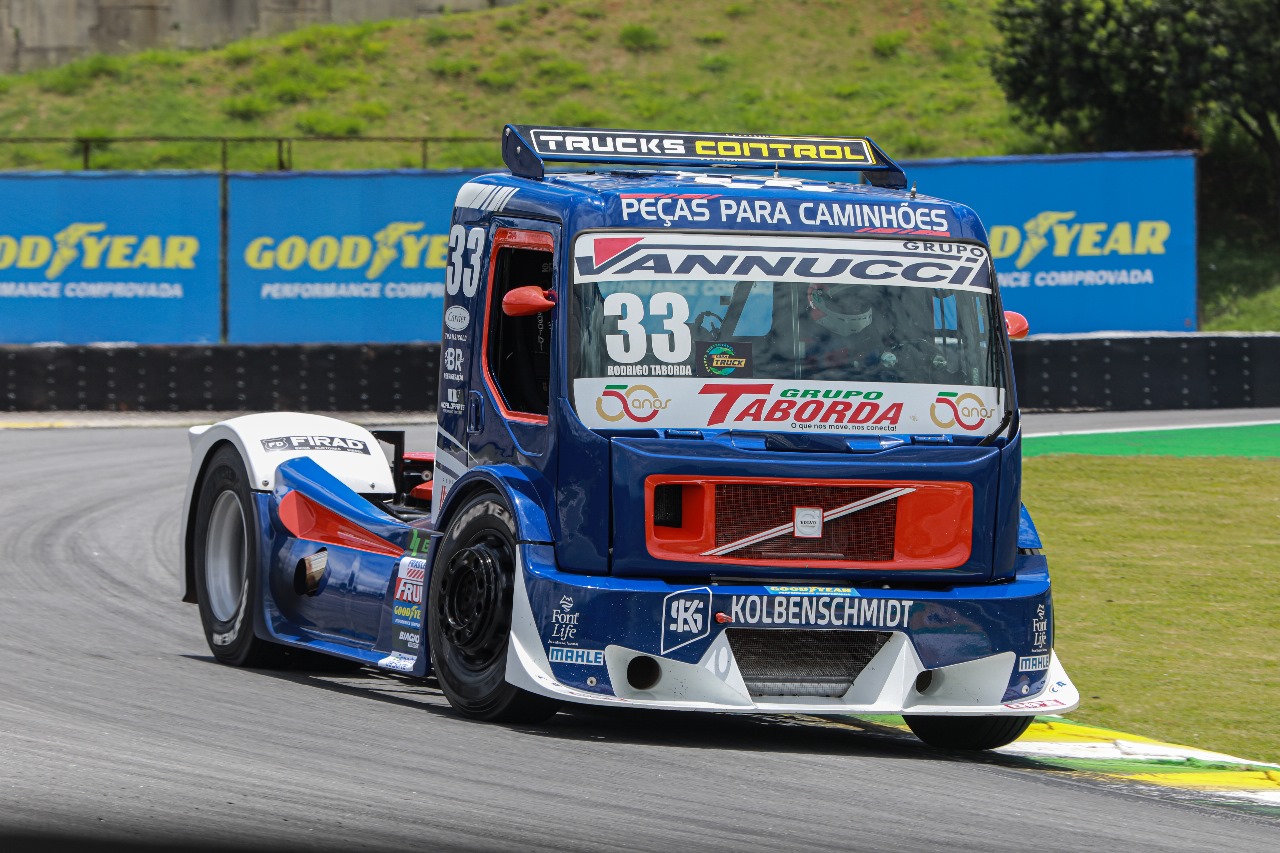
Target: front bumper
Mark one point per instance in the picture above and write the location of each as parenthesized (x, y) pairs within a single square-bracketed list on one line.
[(988, 649)]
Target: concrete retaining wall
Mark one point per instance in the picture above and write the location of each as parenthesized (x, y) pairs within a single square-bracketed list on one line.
[(41, 33)]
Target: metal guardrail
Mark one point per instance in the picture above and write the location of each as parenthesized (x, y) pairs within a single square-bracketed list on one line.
[(284, 144)]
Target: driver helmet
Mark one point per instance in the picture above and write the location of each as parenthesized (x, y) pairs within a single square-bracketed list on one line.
[(843, 308)]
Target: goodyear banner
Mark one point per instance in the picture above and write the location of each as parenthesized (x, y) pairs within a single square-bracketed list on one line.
[(339, 257), (109, 257), (1084, 243)]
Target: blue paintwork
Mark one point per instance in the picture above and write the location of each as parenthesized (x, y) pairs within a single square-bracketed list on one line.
[(1028, 536), (584, 201), (518, 491), (577, 495), (348, 608)]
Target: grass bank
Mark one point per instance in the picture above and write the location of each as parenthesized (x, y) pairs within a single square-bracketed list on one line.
[(910, 74)]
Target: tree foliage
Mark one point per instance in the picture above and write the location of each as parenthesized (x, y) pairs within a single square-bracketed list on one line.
[(1145, 74)]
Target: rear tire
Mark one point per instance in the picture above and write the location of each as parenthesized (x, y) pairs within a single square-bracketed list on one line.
[(469, 616), (971, 733), (226, 564)]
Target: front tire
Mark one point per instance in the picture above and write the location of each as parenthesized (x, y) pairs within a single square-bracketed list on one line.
[(226, 563), (469, 616), (969, 733)]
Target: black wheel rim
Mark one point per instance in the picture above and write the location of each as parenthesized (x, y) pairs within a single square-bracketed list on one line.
[(471, 604)]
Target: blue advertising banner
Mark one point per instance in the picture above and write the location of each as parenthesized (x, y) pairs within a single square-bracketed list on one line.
[(120, 257), (1084, 243), (339, 257)]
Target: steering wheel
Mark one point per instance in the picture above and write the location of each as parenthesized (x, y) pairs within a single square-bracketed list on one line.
[(922, 351), (713, 331)]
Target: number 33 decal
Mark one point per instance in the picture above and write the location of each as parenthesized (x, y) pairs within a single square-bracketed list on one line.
[(466, 247), (630, 345)]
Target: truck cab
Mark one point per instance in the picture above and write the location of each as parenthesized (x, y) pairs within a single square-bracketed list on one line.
[(708, 438)]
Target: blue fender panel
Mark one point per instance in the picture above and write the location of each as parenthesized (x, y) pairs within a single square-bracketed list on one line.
[(517, 487), (344, 616)]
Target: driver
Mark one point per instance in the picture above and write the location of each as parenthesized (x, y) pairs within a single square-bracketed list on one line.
[(852, 327)]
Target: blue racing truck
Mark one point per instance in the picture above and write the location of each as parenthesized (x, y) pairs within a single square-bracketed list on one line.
[(708, 439)]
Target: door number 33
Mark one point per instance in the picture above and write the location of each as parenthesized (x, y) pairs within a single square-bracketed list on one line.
[(466, 248)]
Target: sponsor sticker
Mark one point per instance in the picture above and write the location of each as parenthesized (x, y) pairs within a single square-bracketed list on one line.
[(1035, 663), (618, 145), (670, 209), (1040, 629), (582, 657), (457, 318), (952, 266), (564, 621), (837, 591), (638, 403), (965, 410), (836, 610), (1035, 704), (783, 405), (716, 358), (315, 442), (686, 617), (406, 605), (453, 400), (399, 662), (411, 639)]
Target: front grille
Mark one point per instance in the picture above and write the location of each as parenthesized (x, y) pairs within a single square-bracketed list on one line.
[(788, 662), (743, 509)]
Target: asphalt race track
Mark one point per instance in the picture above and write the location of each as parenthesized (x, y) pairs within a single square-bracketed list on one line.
[(116, 726)]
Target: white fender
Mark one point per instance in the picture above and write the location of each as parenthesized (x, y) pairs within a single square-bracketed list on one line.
[(346, 451)]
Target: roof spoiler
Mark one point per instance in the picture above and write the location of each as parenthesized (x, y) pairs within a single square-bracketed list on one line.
[(527, 148)]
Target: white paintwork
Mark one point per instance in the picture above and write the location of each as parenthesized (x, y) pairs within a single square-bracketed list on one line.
[(361, 472)]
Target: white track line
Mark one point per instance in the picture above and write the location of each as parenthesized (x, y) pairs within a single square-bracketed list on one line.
[(1148, 429)]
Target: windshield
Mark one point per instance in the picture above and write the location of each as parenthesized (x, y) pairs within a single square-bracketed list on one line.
[(784, 334)]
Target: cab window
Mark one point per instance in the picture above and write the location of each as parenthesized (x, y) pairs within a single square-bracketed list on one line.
[(518, 349)]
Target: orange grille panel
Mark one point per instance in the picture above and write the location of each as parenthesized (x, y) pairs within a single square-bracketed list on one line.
[(743, 509), (897, 525)]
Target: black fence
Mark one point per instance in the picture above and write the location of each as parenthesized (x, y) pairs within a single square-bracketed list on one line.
[(381, 378), (1127, 373), (1063, 374), (219, 153)]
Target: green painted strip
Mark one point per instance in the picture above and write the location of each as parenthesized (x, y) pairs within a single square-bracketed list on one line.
[(1125, 767), (1261, 440)]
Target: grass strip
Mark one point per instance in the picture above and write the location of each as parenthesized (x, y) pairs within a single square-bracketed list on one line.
[(1165, 594), (1255, 441)]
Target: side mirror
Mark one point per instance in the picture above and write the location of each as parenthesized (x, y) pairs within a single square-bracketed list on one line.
[(527, 301), (1016, 324)]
